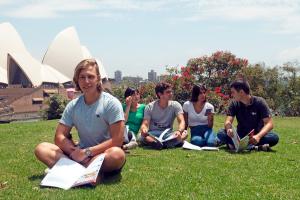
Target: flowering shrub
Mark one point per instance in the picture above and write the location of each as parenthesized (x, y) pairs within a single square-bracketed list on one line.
[(219, 69), (216, 72)]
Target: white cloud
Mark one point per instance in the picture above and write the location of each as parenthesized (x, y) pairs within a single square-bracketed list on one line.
[(58, 8), (5, 2), (280, 16), (290, 54), (48, 9)]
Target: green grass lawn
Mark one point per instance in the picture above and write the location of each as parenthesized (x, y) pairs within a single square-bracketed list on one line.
[(166, 174)]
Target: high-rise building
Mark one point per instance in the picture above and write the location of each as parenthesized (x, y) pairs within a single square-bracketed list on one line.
[(118, 76), (152, 76)]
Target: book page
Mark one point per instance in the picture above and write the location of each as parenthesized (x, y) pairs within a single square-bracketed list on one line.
[(244, 143), (187, 145), (171, 137), (163, 134), (91, 172), (63, 174), (235, 139), (210, 148)]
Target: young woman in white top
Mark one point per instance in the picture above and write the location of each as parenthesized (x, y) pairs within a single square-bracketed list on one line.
[(198, 114)]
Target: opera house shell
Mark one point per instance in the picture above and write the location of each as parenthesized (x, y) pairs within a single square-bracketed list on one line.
[(18, 67)]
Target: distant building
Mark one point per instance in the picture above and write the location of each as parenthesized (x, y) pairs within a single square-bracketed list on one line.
[(136, 79), (118, 76), (152, 76)]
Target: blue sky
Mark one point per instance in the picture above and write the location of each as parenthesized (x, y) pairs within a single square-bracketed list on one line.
[(135, 36)]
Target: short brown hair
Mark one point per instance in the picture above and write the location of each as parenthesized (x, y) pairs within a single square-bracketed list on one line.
[(83, 65), (241, 84), (161, 87)]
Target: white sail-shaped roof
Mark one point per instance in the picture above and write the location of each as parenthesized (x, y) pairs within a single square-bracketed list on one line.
[(29, 66), (85, 52), (65, 52), (10, 41), (59, 62), (102, 69), (14, 58), (55, 75)]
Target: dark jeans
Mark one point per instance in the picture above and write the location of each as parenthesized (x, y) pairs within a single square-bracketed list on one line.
[(271, 138)]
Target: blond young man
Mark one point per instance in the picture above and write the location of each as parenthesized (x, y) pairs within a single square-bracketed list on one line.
[(99, 120)]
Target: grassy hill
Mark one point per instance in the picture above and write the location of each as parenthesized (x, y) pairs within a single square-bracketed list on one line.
[(166, 174)]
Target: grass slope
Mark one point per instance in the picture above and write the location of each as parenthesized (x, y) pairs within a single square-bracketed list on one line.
[(167, 174)]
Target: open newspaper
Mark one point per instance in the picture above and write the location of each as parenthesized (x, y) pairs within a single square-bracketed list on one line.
[(241, 144), (187, 145), (67, 173)]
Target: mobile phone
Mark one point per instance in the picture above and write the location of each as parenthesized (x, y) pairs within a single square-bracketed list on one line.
[(208, 111)]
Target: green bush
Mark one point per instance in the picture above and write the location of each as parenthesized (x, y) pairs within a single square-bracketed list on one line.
[(57, 104)]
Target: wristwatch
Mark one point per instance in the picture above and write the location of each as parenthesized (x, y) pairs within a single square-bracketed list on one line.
[(88, 152)]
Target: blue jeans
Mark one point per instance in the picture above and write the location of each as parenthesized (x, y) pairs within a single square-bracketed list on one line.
[(271, 138), (202, 135)]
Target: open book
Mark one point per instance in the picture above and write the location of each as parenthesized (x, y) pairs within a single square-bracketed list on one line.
[(187, 145), (67, 173), (241, 144), (160, 138)]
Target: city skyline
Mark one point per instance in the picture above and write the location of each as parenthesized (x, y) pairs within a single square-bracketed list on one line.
[(137, 36)]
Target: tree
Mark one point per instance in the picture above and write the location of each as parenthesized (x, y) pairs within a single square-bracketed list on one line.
[(57, 104), (219, 69)]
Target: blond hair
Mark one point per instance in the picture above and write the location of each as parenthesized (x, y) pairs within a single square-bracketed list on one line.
[(83, 65)]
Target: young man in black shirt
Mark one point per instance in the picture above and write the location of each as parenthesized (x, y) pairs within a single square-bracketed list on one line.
[(252, 113)]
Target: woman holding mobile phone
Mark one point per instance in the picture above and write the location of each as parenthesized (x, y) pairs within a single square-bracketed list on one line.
[(199, 116), (134, 114)]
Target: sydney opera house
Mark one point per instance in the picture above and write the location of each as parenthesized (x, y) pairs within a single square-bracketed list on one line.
[(18, 67), (25, 82)]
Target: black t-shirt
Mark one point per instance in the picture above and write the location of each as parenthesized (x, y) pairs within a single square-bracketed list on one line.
[(251, 116)]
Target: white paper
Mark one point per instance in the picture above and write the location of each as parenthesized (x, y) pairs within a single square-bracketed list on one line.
[(67, 173), (187, 145), (210, 148), (235, 139), (163, 134), (63, 174), (91, 173)]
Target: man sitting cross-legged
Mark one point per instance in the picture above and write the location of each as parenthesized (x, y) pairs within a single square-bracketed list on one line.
[(252, 113), (159, 115), (99, 120)]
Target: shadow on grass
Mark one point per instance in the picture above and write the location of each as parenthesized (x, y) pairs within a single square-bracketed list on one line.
[(246, 152), (36, 177), (105, 180), (111, 179)]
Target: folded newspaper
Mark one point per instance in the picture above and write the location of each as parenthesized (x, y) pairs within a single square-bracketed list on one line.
[(67, 173), (187, 145)]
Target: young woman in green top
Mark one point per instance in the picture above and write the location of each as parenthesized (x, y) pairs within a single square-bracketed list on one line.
[(134, 114)]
